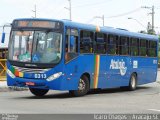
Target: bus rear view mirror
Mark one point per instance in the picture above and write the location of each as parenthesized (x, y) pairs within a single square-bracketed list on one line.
[(3, 37)]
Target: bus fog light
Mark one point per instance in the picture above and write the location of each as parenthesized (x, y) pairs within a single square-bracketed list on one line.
[(10, 73), (54, 76)]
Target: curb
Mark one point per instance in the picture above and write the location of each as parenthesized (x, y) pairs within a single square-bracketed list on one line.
[(158, 82), (5, 88), (9, 89)]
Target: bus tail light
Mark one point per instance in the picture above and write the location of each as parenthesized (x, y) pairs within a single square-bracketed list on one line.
[(54, 76), (10, 73)]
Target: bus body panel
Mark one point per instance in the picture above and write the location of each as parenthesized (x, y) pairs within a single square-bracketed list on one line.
[(65, 82), (147, 70), (109, 76)]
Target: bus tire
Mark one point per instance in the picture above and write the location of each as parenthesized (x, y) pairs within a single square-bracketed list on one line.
[(83, 87), (38, 92), (133, 82)]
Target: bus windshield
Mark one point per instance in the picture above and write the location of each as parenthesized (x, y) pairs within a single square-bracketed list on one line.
[(35, 46)]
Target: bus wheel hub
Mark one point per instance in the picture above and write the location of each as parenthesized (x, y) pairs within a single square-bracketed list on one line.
[(81, 85)]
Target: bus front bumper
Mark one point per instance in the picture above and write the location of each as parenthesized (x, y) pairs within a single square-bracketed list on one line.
[(33, 83)]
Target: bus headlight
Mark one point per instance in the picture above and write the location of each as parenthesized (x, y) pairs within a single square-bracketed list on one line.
[(54, 76), (10, 73)]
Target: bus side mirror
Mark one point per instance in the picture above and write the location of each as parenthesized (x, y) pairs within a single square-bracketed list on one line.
[(3, 37)]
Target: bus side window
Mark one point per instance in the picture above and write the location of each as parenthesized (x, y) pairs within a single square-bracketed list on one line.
[(152, 49), (86, 42), (143, 47), (124, 45), (71, 47), (100, 43), (112, 44), (134, 46)]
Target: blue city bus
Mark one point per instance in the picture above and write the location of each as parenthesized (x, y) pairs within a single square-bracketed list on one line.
[(48, 54)]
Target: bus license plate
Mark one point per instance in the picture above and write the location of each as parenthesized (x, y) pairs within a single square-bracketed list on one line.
[(30, 83)]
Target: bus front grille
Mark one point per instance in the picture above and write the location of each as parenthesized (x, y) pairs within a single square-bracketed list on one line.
[(30, 70)]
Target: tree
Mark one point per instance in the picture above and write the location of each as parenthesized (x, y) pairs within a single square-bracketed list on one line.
[(142, 31), (150, 30)]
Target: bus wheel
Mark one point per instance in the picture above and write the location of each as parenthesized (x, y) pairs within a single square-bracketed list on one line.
[(83, 87), (38, 92), (133, 82)]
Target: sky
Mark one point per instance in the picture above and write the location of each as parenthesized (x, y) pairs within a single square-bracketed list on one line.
[(116, 12)]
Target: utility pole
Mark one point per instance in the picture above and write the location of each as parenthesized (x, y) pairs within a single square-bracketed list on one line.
[(70, 9), (153, 18), (152, 13), (101, 17), (35, 11)]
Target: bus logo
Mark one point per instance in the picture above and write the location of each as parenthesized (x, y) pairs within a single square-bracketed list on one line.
[(118, 65)]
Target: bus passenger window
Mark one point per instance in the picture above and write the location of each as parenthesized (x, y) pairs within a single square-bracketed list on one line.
[(134, 46), (124, 46), (86, 42), (100, 43), (152, 49), (112, 44), (143, 47)]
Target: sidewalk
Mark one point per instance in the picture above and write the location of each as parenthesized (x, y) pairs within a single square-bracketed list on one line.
[(3, 83), (5, 88)]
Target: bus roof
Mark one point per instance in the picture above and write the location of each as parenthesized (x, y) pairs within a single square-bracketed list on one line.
[(104, 29), (111, 30)]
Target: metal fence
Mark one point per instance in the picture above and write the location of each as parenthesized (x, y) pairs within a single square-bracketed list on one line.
[(3, 69)]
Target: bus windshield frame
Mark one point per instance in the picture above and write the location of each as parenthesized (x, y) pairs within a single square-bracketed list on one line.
[(37, 47)]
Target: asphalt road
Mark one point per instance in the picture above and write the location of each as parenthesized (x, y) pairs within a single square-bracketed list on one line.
[(146, 99)]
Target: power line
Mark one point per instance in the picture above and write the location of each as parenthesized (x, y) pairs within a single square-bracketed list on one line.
[(124, 14), (119, 15), (100, 17), (59, 11), (90, 20), (137, 22), (92, 4)]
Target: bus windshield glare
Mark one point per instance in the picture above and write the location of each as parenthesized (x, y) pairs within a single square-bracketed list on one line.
[(35, 46)]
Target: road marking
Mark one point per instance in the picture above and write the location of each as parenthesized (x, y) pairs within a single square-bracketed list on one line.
[(154, 110)]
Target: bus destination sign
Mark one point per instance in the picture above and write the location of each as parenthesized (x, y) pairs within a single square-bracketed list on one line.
[(36, 24)]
